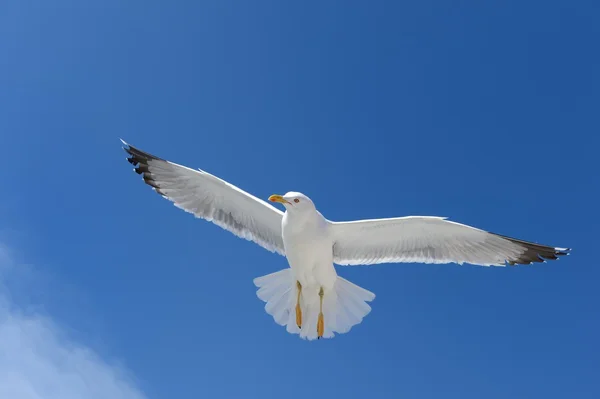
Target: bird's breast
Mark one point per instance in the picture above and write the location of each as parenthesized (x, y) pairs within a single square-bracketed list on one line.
[(303, 229), (305, 237), (308, 249)]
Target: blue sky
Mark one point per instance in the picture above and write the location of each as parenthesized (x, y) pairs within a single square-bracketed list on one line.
[(485, 112)]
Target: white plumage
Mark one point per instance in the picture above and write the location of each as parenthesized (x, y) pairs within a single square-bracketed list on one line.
[(210, 198), (310, 294), (423, 239)]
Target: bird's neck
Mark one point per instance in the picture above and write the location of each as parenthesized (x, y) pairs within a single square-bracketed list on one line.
[(301, 219)]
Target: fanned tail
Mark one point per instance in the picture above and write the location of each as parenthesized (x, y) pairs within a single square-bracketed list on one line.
[(343, 307), (276, 289)]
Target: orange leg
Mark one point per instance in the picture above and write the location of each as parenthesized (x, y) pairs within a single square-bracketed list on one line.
[(298, 310), (321, 320)]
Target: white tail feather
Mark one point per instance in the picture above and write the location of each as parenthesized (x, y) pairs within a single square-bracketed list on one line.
[(343, 307)]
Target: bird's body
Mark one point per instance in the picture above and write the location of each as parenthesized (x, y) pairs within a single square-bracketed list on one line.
[(309, 298), (311, 286), (308, 248)]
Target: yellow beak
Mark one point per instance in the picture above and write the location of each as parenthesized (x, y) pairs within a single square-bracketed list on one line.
[(278, 198)]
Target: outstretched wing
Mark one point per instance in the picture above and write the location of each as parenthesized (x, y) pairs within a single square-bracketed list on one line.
[(427, 239), (210, 198)]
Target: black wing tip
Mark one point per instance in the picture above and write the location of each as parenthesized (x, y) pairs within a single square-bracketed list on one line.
[(534, 253), (138, 154), (139, 159)]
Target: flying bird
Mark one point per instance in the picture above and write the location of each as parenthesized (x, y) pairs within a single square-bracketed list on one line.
[(308, 297)]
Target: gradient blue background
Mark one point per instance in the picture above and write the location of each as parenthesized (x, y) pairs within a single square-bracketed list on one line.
[(485, 113)]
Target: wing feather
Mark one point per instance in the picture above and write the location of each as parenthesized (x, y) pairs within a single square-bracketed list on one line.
[(210, 198), (430, 239)]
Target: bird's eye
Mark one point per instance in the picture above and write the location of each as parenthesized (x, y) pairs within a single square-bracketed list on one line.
[(296, 200)]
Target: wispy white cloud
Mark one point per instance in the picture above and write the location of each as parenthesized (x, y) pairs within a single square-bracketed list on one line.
[(39, 361)]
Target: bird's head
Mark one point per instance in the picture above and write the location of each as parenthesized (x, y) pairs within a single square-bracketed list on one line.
[(293, 201)]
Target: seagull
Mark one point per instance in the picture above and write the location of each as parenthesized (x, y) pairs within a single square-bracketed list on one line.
[(308, 297)]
